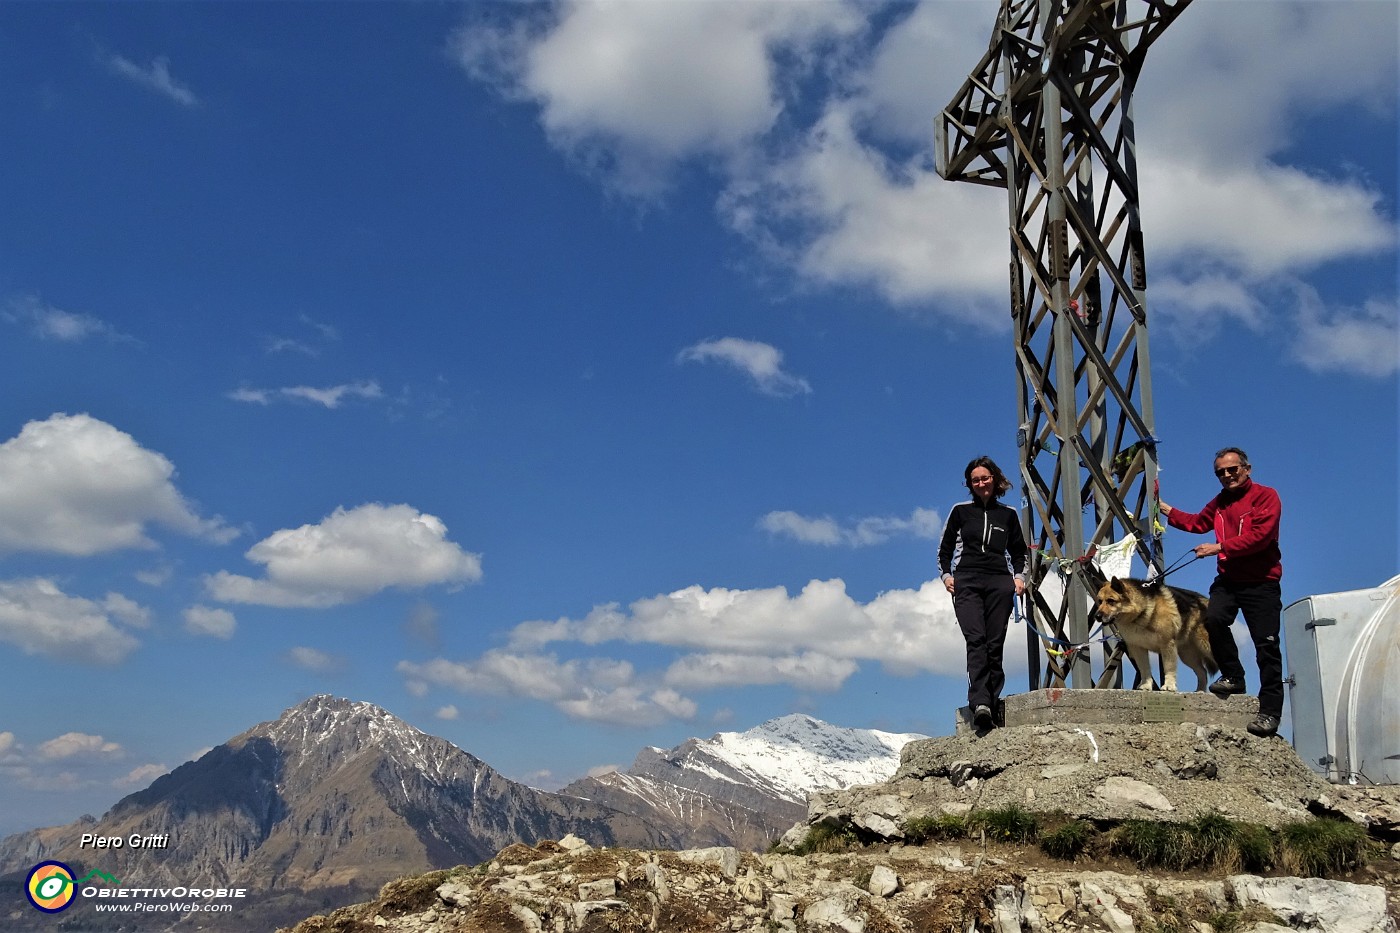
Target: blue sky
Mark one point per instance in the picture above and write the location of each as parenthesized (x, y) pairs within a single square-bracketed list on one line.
[(571, 378)]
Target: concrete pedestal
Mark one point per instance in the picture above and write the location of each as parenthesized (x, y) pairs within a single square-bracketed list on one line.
[(1064, 706)]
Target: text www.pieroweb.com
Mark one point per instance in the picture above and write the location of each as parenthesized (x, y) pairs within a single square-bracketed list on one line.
[(176, 908)]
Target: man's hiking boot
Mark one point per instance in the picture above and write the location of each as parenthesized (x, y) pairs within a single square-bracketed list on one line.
[(1263, 726), (982, 717), (1227, 686)]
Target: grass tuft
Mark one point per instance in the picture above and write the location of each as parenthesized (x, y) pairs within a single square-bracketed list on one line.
[(1067, 842), (1324, 848), (1008, 824), (923, 829), (823, 837)]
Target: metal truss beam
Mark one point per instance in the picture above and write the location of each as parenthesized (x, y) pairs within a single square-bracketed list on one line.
[(1047, 115)]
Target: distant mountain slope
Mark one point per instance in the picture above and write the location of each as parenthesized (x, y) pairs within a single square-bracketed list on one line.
[(334, 794), (744, 788)]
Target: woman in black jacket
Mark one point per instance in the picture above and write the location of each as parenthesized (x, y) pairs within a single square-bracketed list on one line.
[(983, 561)]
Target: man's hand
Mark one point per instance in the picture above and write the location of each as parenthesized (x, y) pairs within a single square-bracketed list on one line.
[(948, 583), (1020, 586), (1166, 509), (1206, 550)]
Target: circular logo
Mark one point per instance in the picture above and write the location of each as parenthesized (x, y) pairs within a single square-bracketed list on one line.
[(49, 886)]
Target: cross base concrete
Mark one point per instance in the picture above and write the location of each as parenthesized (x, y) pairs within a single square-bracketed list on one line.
[(1062, 705)]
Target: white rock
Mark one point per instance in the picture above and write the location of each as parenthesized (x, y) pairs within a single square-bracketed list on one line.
[(1317, 904), (1125, 790), (582, 909), (656, 877), (883, 881), (882, 826), (835, 911), (456, 894), (749, 888), (782, 907), (573, 844), (597, 890), (527, 917), (726, 857), (1006, 909)]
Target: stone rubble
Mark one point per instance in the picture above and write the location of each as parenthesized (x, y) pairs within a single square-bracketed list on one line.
[(878, 889)]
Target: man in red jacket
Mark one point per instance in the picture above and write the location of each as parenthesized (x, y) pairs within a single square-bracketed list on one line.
[(1245, 518)]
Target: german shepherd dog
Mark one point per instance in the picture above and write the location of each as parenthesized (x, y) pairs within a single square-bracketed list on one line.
[(1151, 616)]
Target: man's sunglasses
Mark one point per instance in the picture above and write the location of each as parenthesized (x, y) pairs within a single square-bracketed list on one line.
[(1228, 471)]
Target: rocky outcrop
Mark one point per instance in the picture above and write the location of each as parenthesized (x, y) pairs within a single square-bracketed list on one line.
[(570, 886), (1103, 772)]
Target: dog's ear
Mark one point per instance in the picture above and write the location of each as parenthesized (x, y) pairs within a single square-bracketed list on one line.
[(1118, 585)]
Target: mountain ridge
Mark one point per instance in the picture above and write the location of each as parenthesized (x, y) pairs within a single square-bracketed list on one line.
[(335, 797)]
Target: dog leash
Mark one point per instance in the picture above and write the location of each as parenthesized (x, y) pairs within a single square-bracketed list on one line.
[(1070, 649), (1177, 564)]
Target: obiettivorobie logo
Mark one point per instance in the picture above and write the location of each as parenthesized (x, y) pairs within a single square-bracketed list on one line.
[(50, 886)]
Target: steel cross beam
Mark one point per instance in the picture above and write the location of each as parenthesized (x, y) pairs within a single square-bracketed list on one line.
[(1047, 115)]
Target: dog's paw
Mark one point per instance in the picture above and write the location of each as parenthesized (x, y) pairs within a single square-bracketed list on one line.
[(1147, 685)]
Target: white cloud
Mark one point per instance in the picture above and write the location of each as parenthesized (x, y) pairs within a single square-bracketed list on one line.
[(1361, 341), (812, 641), (141, 775), (156, 77), (761, 362), (349, 555), (1259, 220), (156, 576), (38, 618), (841, 212), (841, 190), (630, 87), (78, 486), (921, 523), (128, 611), (50, 323), (313, 659), (78, 745), (7, 744), (600, 770), (905, 630), (448, 712), (595, 689), (809, 671), (330, 396), (1198, 306), (215, 623)]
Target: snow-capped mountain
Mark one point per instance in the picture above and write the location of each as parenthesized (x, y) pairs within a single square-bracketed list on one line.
[(793, 755), (745, 788)]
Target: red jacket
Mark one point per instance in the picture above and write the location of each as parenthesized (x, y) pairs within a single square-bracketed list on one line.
[(1246, 526)]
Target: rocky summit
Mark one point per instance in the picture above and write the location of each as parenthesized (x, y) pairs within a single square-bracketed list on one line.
[(878, 881), (1104, 772)]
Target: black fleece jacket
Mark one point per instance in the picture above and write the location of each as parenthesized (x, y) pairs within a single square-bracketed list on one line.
[(983, 537)]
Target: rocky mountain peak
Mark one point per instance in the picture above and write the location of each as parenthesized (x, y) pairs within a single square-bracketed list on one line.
[(327, 732)]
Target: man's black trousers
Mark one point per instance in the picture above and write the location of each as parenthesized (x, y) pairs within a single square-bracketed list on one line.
[(1262, 607), (982, 603)]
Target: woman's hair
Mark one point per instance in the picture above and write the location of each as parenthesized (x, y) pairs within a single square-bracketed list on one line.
[(1000, 483)]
